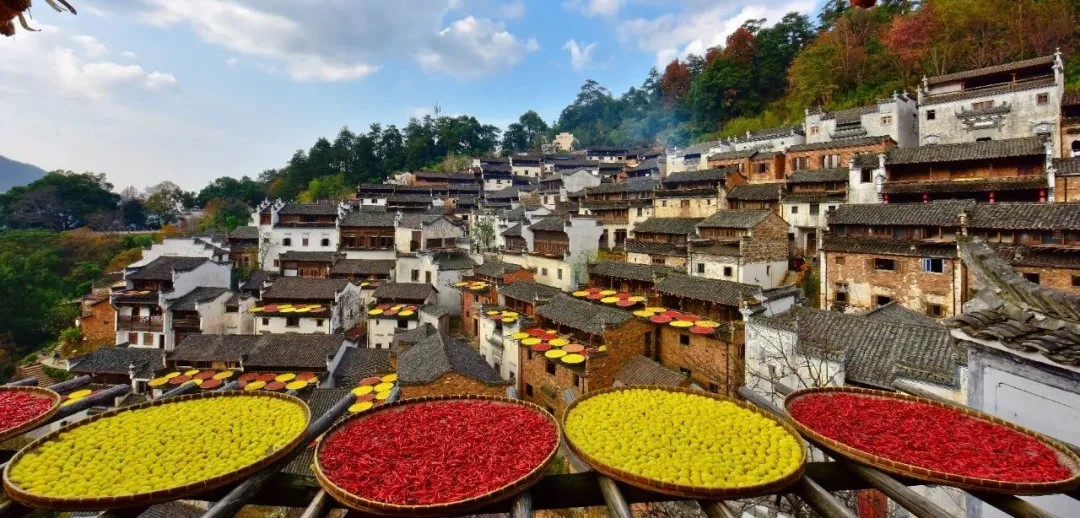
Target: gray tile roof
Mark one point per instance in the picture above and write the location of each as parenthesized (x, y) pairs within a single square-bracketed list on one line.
[(438, 355), (581, 315), (733, 155), (1028, 146), (974, 93), (728, 293), (636, 246), (550, 224), (528, 291), (434, 310), (874, 352), (757, 192), (514, 231), (1025, 216), (819, 176), (837, 144), (188, 301), (304, 288), (632, 271), (453, 261), (308, 256), (887, 246), (495, 268), (358, 363), (319, 402), (162, 268), (867, 161), (703, 175), (678, 226), (852, 115), (116, 360), (629, 185), (368, 219), (771, 133), (643, 371), (363, 267), (996, 69), (254, 283), (700, 147), (418, 220), (245, 232), (814, 197), (1067, 166), (745, 218), (411, 336), (261, 352), (894, 313), (938, 213), (418, 291), (310, 209)]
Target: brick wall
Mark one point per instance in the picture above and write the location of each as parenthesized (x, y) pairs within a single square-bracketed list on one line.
[(1067, 189), (99, 328), (452, 384), (846, 153), (768, 241), (773, 173), (688, 207), (713, 362), (1056, 278), (909, 285)]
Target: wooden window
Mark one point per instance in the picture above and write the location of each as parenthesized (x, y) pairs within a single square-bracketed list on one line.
[(839, 260), (794, 209), (286, 241), (684, 204), (1033, 277), (701, 268), (1042, 99), (763, 168), (881, 300), (325, 241), (886, 120), (148, 339), (982, 105), (935, 310), (416, 275), (577, 380), (133, 338), (427, 277), (528, 390), (559, 273), (304, 240), (931, 115), (841, 297), (866, 175), (684, 339), (402, 323), (813, 130), (727, 271), (884, 264), (815, 209), (549, 367), (292, 321), (714, 388), (265, 321)]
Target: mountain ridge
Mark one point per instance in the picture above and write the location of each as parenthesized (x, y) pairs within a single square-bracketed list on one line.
[(14, 173)]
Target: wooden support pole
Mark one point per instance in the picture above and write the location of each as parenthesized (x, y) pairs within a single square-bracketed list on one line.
[(614, 498), (1013, 506), (522, 507), (317, 508), (821, 500), (716, 509), (28, 382), (72, 383)]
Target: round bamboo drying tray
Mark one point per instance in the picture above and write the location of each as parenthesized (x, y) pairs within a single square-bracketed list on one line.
[(680, 490), (151, 497), (26, 426), (451, 508), (1065, 456)]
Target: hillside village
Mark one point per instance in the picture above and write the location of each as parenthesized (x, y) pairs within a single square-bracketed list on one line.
[(928, 241)]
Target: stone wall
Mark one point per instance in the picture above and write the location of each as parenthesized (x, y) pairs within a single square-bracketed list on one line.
[(714, 364), (1056, 278), (688, 207), (99, 325), (815, 157), (767, 241), (908, 284)]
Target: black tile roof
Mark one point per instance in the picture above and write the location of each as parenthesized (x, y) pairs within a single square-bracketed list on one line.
[(867, 161), (643, 371), (678, 226), (703, 175), (117, 360), (417, 291), (363, 267), (319, 402), (757, 192), (819, 176), (368, 219), (886, 246), (771, 133), (188, 301), (815, 197), (629, 185), (874, 352), (304, 288), (1017, 183), (417, 221), (632, 271), (255, 282), (412, 336), (162, 268), (310, 209), (358, 363), (733, 155), (938, 213), (308, 256), (260, 352), (1067, 166), (549, 224), (1018, 86), (438, 355), (453, 261), (895, 313), (513, 231), (837, 144), (246, 232), (732, 218), (635, 246), (581, 315), (728, 293), (996, 69), (1018, 147), (1025, 216), (495, 268), (528, 291)]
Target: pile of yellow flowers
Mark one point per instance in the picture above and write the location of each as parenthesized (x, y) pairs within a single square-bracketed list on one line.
[(159, 447), (686, 439)]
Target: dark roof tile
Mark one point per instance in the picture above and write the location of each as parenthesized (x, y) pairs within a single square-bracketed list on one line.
[(528, 291), (188, 301), (162, 268), (368, 219), (581, 315), (995, 69), (1067, 166), (363, 267), (310, 209), (118, 359), (819, 176), (438, 355), (678, 226), (757, 192), (837, 144), (939, 213), (632, 271), (723, 292), (417, 291), (643, 371), (494, 268), (1028, 146), (304, 288), (744, 218), (629, 185), (358, 363), (703, 175), (1025, 216)]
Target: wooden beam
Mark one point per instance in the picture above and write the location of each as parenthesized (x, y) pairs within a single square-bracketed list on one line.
[(72, 383), (28, 382)]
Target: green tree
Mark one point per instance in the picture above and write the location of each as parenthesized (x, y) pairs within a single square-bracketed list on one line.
[(60, 200)]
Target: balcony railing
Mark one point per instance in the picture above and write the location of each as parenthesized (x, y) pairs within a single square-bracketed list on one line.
[(186, 323), (154, 323)]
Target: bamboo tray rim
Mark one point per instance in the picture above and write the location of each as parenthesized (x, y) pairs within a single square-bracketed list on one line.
[(1065, 456), (155, 496), (31, 424), (457, 507), (681, 490)]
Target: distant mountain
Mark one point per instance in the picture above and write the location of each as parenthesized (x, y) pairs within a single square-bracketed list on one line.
[(14, 173)]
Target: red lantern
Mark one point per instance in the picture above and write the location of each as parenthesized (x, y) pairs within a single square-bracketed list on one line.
[(864, 4)]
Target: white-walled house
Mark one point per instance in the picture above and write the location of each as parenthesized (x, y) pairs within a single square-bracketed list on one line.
[(771, 139), (184, 247), (400, 307), (441, 269), (745, 245), (559, 249), (426, 232), (496, 345), (308, 306), (895, 117), (300, 227)]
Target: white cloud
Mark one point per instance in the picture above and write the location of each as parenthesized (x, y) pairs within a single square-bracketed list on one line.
[(580, 56), (129, 54), (512, 10), (700, 25), (232, 61), (48, 63), (91, 46), (595, 7), (472, 47)]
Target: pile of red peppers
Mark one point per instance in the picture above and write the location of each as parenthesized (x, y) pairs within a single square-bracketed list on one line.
[(18, 407), (437, 452), (929, 436)]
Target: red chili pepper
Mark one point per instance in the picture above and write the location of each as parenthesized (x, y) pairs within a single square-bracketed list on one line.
[(929, 436), (437, 452), (18, 407)]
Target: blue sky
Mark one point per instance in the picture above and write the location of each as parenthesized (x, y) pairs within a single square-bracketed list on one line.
[(149, 90)]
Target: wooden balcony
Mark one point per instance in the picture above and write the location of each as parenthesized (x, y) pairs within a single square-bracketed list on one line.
[(154, 323)]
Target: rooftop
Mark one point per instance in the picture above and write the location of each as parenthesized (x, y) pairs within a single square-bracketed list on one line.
[(629, 185), (632, 271), (678, 226), (363, 267), (581, 315), (703, 175), (118, 359), (744, 218), (528, 291), (368, 219), (756, 192), (260, 352), (996, 69), (938, 213), (494, 268), (839, 174), (358, 363), (728, 293), (643, 371), (438, 355), (310, 209), (836, 144), (188, 301), (162, 268), (417, 291), (1008, 148), (304, 288)]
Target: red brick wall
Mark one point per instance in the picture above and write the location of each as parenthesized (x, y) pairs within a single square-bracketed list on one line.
[(908, 285), (100, 327), (711, 361), (1056, 278), (846, 153)]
